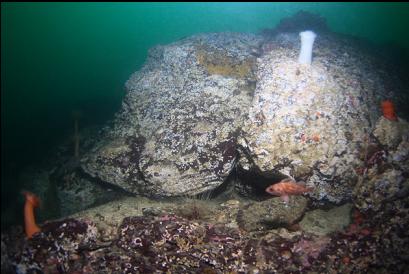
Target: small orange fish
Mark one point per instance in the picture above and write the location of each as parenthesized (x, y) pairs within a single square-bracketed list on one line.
[(287, 187)]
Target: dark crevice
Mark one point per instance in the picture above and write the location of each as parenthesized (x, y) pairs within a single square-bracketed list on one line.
[(102, 183)]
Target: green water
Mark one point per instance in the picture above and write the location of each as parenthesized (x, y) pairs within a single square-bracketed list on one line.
[(60, 57)]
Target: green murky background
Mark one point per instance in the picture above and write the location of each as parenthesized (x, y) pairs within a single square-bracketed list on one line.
[(60, 57)]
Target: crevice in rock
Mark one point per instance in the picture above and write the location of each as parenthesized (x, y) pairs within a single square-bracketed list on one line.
[(108, 186), (252, 183)]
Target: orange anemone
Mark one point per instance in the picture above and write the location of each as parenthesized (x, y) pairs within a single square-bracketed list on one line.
[(388, 110), (32, 201)]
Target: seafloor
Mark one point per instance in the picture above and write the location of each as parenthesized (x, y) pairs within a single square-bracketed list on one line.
[(138, 235)]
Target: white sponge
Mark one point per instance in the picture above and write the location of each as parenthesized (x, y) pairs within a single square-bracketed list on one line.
[(307, 40)]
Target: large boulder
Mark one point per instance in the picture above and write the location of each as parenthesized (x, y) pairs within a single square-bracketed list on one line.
[(206, 104), (311, 122), (176, 133)]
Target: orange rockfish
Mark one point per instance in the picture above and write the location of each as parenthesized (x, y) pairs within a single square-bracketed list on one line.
[(287, 187)]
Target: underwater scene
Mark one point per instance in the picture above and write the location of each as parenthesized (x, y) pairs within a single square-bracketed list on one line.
[(204, 138)]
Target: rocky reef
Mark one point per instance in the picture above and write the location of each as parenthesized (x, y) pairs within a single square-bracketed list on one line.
[(214, 105), (205, 105), (226, 115)]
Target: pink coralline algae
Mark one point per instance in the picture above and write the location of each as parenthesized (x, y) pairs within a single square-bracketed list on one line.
[(310, 249)]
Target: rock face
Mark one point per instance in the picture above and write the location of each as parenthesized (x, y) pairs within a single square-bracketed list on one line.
[(205, 104), (385, 177), (309, 121), (321, 222), (271, 213), (176, 133), (61, 185), (391, 134)]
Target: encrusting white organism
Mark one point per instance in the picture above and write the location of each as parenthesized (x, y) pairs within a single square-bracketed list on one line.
[(307, 40)]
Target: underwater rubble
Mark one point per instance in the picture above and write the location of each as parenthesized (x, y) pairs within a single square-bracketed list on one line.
[(168, 243)]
